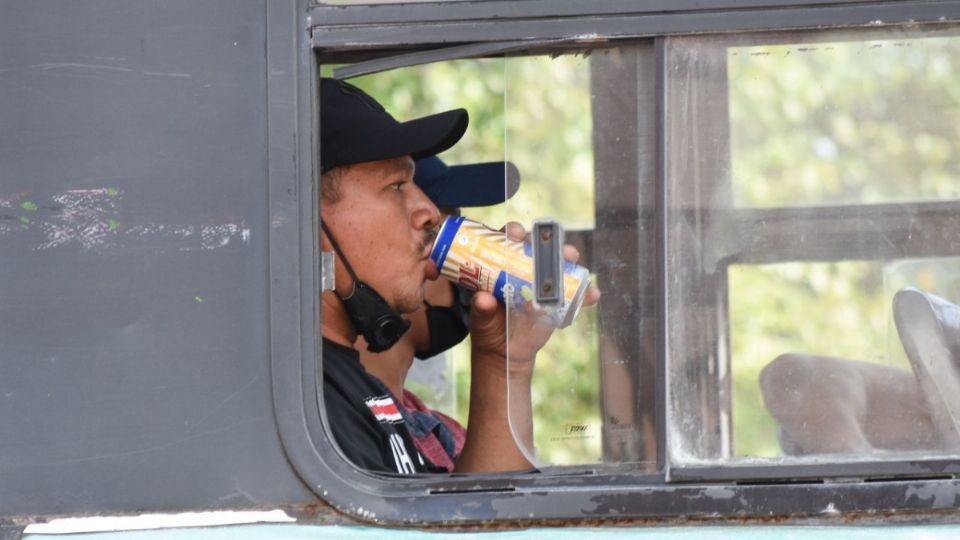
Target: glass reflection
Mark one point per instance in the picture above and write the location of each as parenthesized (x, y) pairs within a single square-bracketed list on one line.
[(812, 237)]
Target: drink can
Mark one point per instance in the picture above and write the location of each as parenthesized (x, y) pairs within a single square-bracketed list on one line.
[(479, 258)]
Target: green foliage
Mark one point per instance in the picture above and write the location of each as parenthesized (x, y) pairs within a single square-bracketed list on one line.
[(567, 394), (845, 122), (834, 309), (834, 124)]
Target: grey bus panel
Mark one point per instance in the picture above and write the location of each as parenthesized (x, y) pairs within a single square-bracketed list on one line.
[(134, 329)]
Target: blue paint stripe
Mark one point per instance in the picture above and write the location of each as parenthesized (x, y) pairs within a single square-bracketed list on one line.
[(442, 246)]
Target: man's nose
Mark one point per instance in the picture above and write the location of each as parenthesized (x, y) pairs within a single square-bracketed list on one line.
[(424, 215)]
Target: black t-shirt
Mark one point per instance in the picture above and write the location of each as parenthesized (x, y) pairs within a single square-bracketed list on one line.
[(365, 421)]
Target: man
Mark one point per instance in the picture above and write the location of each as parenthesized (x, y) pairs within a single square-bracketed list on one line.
[(443, 320), (382, 227)]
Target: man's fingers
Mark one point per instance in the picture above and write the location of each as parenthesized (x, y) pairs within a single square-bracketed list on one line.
[(483, 311), (592, 296), (484, 302), (515, 231)]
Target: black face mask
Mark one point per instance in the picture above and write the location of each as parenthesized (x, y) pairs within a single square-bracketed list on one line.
[(447, 326), (371, 315)]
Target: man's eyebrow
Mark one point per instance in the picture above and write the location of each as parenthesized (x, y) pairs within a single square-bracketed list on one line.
[(401, 165)]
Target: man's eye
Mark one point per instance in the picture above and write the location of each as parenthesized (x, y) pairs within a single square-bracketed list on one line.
[(398, 185)]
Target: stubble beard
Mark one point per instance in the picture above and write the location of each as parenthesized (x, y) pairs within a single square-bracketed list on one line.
[(408, 303)]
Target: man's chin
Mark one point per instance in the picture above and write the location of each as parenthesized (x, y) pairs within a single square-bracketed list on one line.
[(410, 305)]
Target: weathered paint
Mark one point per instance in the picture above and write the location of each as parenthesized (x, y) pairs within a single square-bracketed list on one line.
[(270, 532)]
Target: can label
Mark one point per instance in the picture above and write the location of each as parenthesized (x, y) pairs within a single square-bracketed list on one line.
[(479, 258)]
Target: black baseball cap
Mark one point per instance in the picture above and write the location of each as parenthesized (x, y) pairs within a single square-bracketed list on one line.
[(354, 128), (456, 186)]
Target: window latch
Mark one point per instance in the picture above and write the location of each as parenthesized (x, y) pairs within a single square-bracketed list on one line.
[(547, 240)]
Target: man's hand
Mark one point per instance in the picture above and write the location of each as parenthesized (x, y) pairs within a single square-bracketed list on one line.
[(500, 436), (528, 331)]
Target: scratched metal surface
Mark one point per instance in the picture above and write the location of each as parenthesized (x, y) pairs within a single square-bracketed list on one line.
[(134, 346), (267, 532)]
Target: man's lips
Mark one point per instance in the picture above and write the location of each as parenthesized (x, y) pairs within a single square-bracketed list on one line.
[(426, 251), (432, 272)]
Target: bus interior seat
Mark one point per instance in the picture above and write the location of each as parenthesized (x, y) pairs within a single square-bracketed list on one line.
[(929, 328)]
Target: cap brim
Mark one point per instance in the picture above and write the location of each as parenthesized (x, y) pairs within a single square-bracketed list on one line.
[(479, 184), (417, 138)]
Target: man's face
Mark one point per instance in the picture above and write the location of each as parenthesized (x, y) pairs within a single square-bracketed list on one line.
[(385, 226)]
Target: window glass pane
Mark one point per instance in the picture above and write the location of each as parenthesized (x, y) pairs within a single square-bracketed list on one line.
[(847, 312), (845, 122), (592, 392), (549, 137), (813, 247)]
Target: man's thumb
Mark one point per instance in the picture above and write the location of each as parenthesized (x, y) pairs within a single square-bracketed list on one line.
[(483, 310)]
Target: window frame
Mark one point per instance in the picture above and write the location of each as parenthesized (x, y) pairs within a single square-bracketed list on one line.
[(349, 33), (355, 28)]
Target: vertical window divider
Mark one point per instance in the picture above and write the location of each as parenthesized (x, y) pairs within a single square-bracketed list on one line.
[(661, 45)]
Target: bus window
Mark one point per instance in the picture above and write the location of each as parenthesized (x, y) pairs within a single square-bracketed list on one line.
[(593, 392), (817, 177), (772, 219)]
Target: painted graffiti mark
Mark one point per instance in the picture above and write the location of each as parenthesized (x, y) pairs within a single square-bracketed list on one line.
[(90, 219), (82, 218)]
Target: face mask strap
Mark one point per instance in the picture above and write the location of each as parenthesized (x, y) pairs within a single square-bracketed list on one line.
[(336, 248), (370, 314)]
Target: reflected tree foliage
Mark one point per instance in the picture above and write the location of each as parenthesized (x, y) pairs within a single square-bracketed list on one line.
[(843, 123)]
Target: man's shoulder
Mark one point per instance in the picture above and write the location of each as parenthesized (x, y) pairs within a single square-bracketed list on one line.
[(332, 348), (340, 360), (364, 418), (347, 383)]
